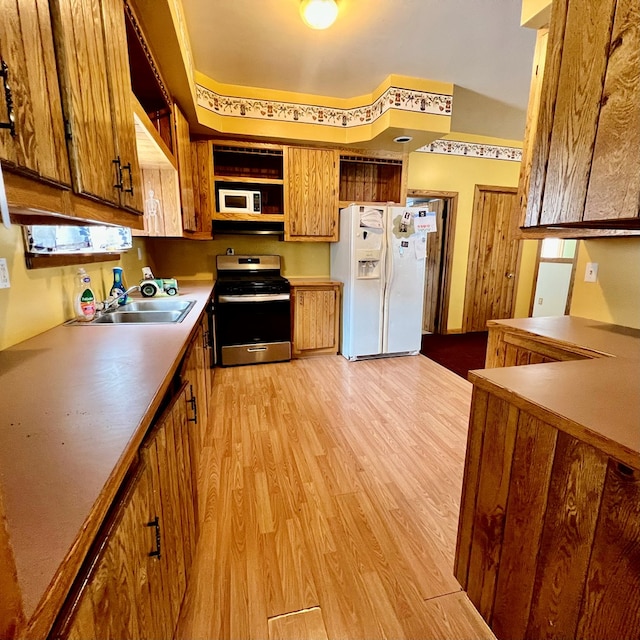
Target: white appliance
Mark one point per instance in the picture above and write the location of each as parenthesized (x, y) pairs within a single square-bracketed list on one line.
[(380, 259), (239, 201)]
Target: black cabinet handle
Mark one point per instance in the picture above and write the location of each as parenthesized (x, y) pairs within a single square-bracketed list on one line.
[(8, 98), (127, 167), (155, 523), (118, 184), (194, 406)]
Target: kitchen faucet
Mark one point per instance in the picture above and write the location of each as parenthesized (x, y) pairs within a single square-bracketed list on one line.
[(111, 303)]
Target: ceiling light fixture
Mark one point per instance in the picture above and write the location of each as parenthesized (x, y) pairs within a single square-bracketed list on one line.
[(319, 14), (403, 139)]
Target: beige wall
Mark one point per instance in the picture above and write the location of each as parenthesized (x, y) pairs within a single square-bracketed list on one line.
[(40, 299), (615, 297), (197, 258), (461, 174)]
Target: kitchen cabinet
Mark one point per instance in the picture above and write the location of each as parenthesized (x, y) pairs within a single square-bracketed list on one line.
[(134, 582), (370, 176), (93, 66), (197, 374), (311, 194), (316, 317), (185, 171), (249, 166), (580, 165), (32, 136), (549, 531), (204, 205), (508, 347)]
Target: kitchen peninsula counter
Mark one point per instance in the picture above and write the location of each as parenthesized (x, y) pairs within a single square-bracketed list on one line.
[(77, 402), (549, 530), (596, 397)]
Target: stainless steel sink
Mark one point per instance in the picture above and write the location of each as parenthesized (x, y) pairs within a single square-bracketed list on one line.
[(139, 317), (167, 304), (144, 312)]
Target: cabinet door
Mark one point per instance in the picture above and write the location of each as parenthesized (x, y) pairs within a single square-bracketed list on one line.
[(185, 171), (120, 596), (31, 94), (311, 194), (96, 92), (119, 77), (315, 320), (585, 159)]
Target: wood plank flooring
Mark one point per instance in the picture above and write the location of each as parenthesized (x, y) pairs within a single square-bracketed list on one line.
[(333, 492)]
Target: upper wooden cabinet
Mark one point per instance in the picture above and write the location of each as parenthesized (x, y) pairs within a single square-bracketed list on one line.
[(311, 194), (583, 141), (96, 95), (31, 125)]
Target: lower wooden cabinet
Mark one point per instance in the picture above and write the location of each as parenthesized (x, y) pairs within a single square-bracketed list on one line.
[(508, 347), (549, 530), (133, 584), (197, 374), (316, 318)]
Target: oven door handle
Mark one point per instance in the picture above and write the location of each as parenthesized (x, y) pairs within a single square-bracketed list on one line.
[(265, 297)]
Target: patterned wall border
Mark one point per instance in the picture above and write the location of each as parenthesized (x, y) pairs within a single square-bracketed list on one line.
[(392, 98), (473, 150)]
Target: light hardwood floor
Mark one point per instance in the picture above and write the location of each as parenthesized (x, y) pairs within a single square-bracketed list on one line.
[(331, 508)]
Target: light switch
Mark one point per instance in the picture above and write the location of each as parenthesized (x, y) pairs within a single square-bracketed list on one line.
[(4, 274), (591, 272)]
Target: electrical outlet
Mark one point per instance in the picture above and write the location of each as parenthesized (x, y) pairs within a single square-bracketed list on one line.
[(4, 274), (591, 272), (139, 253), (540, 300)]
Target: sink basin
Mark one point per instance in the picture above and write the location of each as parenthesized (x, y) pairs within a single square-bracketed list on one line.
[(156, 305), (144, 312), (139, 317)]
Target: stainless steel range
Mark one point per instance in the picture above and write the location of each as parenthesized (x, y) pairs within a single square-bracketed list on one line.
[(252, 310)]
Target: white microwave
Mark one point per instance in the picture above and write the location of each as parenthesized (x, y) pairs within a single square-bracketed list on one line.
[(239, 201)]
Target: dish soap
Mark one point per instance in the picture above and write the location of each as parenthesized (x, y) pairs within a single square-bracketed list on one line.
[(118, 285), (85, 299)]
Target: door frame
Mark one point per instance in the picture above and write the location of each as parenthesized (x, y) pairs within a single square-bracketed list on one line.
[(472, 239), (447, 250)]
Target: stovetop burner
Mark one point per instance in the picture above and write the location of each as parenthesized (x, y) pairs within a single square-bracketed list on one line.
[(249, 275)]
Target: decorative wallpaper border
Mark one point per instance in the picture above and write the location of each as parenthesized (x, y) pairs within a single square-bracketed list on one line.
[(473, 150), (393, 98)]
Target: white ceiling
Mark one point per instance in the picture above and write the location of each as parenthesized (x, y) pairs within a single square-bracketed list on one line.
[(476, 44)]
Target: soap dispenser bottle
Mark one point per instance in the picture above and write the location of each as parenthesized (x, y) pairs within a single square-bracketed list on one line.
[(118, 287), (84, 298)]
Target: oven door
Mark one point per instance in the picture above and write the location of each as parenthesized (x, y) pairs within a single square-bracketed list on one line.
[(253, 328)]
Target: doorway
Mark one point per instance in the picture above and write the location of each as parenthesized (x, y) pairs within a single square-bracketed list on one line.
[(494, 257), (435, 309), (555, 271)]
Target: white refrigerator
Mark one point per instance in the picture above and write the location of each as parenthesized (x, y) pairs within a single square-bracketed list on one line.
[(380, 259)]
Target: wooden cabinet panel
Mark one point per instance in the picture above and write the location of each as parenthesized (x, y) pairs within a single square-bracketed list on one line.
[(577, 480), (316, 319), (584, 147), (549, 535), (204, 198), (311, 194), (185, 170), (618, 137), (136, 581), (80, 45), (26, 48), (120, 94), (607, 611), (97, 104)]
